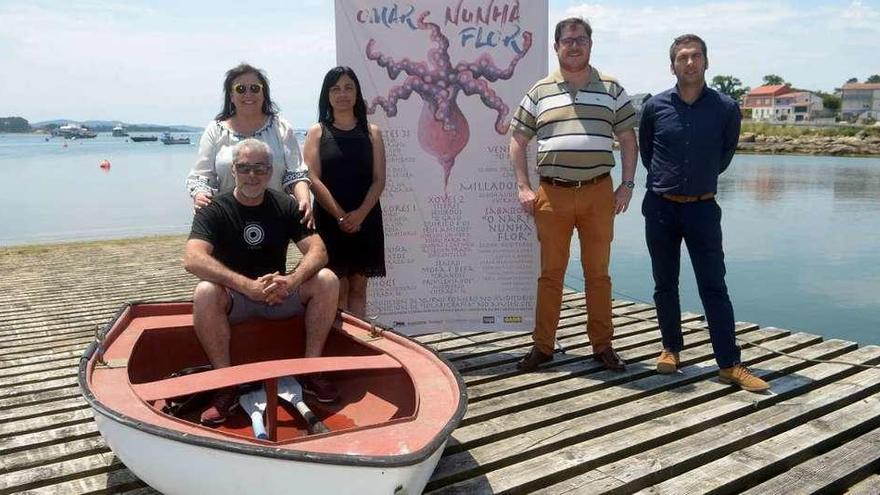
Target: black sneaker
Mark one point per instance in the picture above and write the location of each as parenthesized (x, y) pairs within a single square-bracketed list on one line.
[(320, 388)]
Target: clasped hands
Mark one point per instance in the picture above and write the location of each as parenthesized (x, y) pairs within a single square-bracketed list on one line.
[(350, 222), (272, 288)]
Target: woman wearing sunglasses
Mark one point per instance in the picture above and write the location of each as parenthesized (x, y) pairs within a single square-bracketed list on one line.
[(248, 112), (346, 157)]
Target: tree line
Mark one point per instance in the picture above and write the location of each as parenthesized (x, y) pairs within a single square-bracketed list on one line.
[(14, 124)]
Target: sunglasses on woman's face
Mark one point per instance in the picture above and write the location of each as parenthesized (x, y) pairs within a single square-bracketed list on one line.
[(254, 88)]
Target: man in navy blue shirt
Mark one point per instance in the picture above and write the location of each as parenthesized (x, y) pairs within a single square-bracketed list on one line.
[(687, 136)]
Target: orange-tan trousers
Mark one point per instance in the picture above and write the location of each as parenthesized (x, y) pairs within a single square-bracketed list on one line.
[(558, 212)]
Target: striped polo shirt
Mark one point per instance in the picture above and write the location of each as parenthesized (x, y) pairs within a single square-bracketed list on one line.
[(574, 132)]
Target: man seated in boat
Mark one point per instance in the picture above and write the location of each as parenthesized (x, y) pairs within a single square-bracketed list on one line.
[(238, 248)]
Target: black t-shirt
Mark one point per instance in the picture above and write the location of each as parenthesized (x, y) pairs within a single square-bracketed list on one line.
[(250, 240)]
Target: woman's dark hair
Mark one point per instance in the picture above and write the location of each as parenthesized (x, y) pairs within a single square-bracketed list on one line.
[(325, 111), (234, 73)]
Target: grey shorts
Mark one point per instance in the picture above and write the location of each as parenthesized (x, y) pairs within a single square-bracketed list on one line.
[(244, 308)]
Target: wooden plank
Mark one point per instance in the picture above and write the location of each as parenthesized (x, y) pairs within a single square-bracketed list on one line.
[(89, 307), (572, 336), (36, 377), (26, 401), (637, 348), (51, 474), (55, 453), (18, 390), (31, 352), (569, 326), (27, 441), (494, 440), (868, 486), (687, 455), (35, 411), (572, 300), (38, 367), (39, 312), (580, 415), (114, 478), (479, 341), (581, 376), (740, 469), (10, 364), (832, 472), (46, 422), (538, 458)]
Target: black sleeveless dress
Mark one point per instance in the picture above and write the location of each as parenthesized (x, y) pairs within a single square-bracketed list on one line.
[(347, 171)]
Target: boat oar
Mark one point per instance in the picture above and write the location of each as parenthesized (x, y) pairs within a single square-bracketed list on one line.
[(290, 390), (254, 404)]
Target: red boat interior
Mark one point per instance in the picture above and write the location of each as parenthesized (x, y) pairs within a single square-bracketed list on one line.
[(375, 389)]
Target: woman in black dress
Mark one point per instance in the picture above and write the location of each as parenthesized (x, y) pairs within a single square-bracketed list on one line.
[(346, 159)]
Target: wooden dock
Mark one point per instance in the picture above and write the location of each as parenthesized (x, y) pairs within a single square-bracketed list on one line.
[(571, 427)]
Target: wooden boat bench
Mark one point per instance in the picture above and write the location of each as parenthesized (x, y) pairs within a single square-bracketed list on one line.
[(266, 371)]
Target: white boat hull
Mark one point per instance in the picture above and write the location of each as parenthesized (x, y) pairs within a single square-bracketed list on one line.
[(176, 467)]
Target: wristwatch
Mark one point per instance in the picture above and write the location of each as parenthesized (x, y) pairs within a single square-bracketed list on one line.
[(628, 184)]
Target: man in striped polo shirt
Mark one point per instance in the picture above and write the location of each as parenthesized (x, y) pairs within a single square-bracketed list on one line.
[(574, 112)]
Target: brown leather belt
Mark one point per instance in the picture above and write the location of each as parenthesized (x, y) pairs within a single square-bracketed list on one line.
[(572, 183), (687, 199)]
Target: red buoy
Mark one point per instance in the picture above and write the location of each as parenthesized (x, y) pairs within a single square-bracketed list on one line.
[(105, 164)]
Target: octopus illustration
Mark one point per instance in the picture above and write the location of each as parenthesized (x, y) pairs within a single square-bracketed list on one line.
[(443, 129)]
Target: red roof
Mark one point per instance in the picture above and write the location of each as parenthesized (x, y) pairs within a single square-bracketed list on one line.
[(774, 90), (861, 86)]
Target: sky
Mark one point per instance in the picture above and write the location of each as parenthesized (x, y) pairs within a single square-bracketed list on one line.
[(163, 61)]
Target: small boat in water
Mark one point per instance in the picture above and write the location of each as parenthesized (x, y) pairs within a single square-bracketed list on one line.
[(119, 131), (74, 131), (167, 138), (140, 139), (399, 402)]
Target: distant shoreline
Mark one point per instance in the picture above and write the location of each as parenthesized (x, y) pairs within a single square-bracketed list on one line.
[(862, 144)]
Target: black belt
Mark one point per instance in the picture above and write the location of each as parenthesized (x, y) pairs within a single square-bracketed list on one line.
[(572, 183)]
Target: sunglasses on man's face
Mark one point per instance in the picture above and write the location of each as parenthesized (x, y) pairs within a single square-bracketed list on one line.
[(255, 168), (255, 88)]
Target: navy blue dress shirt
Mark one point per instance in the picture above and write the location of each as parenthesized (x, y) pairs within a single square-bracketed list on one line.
[(686, 146)]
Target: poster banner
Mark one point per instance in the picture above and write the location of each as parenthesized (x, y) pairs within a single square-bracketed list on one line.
[(442, 78)]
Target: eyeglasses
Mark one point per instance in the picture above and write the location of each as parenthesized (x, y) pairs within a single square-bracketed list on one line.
[(570, 42), (255, 168), (255, 88)]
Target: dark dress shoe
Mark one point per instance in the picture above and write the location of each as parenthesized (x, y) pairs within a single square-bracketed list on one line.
[(533, 359), (610, 360)]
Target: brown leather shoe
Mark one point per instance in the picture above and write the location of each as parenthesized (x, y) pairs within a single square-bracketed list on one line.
[(667, 362), (742, 376), (533, 359), (610, 360)]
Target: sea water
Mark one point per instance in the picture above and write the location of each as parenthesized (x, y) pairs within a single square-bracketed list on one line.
[(801, 243), (801, 233)]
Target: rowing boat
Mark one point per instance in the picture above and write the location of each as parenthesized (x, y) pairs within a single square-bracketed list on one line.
[(399, 402)]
